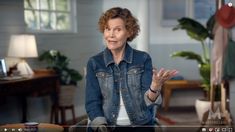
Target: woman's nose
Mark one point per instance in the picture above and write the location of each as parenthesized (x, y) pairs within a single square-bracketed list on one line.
[(111, 33)]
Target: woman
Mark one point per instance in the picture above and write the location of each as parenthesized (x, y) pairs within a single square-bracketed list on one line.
[(122, 88)]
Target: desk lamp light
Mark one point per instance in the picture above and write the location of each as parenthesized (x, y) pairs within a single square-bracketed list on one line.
[(23, 46)]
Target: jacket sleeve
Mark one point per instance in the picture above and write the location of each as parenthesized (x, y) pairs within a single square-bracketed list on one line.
[(146, 82), (148, 102), (93, 98)]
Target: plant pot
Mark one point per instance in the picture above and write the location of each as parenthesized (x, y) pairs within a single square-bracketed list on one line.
[(203, 106), (66, 95)]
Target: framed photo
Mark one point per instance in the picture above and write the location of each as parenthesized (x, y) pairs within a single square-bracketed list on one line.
[(3, 70), (173, 10)]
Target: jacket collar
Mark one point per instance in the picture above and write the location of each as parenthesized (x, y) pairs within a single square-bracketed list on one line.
[(128, 55)]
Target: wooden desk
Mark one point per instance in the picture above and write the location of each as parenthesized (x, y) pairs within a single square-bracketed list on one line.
[(170, 85), (42, 127), (36, 85)]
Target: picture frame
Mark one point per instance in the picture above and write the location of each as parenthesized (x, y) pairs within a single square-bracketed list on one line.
[(172, 10)]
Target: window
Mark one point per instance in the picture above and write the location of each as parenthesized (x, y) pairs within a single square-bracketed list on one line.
[(49, 15), (200, 10)]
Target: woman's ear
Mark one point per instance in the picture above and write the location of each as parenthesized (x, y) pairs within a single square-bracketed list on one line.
[(129, 34)]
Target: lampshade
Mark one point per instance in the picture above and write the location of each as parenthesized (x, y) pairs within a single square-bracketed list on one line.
[(22, 46)]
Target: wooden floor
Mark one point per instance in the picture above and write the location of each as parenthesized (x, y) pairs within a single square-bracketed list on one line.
[(178, 116)]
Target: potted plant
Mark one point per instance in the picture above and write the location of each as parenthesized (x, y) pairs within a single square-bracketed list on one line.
[(69, 77), (204, 35), (60, 64)]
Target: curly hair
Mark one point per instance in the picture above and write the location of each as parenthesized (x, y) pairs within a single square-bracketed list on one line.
[(130, 21)]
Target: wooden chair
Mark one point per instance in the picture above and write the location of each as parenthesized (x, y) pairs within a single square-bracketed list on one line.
[(62, 109)]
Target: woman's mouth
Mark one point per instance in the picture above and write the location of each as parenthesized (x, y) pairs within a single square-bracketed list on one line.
[(111, 41)]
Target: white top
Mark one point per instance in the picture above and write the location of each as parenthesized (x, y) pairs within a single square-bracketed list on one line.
[(122, 118)]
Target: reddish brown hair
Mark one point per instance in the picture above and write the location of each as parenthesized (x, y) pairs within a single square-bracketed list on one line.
[(130, 21)]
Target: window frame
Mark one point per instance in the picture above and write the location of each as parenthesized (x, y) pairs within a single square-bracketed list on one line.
[(72, 18)]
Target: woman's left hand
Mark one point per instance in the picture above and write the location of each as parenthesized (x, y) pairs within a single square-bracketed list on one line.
[(159, 77)]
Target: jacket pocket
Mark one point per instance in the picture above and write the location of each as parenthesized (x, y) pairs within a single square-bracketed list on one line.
[(105, 82), (134, 77)]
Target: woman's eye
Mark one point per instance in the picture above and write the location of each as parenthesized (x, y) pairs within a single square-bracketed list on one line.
[(118, 29)]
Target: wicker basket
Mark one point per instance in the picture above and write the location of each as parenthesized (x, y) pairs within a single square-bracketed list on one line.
[(66, 96)]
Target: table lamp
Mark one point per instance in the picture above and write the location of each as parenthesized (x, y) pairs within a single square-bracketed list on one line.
[(23, 46)]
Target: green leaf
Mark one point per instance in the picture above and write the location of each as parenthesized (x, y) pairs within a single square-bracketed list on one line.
[(188, 55), (193, 28)]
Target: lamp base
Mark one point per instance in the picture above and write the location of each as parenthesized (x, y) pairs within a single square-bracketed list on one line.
[(24, 68)]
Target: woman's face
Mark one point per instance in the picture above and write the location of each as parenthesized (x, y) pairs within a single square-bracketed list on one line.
[(115, 34)]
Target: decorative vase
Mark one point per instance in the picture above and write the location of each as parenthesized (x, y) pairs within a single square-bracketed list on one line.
[(203, 106)]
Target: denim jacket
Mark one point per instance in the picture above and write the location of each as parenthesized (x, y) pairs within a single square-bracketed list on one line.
[(105, 80)]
